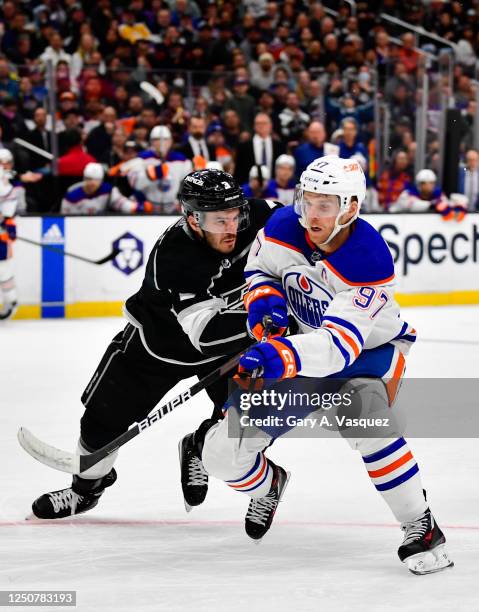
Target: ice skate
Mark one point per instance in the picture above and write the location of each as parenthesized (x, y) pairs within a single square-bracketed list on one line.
[(82, 496), (194, 478), (424, 546), (261, 510)]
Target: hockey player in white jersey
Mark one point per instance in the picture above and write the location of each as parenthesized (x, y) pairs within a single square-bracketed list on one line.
[(8, 232), (156, 175), (93, 195), (335, 274)]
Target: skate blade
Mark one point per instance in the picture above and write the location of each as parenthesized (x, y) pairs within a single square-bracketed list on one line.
[(429, 562), (288, 476)]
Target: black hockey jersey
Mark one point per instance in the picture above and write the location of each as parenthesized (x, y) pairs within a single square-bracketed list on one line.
[(190, 309)]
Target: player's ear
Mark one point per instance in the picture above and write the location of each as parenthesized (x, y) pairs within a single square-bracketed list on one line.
[(193, 223)]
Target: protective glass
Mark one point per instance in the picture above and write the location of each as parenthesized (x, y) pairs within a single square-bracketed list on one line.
[(309, 205), (228, 221)]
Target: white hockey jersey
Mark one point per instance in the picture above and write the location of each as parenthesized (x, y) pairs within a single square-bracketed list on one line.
[(159, 191), (13, 201), (343, 302), (78, 202)]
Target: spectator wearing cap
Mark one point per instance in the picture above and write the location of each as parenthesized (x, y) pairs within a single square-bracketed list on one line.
[(394, 180), (468, 183), (263, 149), (93, 195), (55, 51), (242, 103), (282, 186), (196, 148), (314, 147), (262, 71)]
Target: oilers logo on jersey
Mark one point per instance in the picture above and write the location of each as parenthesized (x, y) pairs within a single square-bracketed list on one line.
[(307, 298)]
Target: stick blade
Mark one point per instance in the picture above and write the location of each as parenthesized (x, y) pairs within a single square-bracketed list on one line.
[(55, 458)]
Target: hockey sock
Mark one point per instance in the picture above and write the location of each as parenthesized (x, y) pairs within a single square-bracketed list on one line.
[(102, 468), (256, 482), (395, 474)]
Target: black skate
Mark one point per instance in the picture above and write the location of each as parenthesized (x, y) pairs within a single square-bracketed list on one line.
[(261, 510), (423, 548), (194, 478), (82, 496), (8, 311)]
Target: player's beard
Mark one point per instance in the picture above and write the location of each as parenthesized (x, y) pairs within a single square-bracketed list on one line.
[(223, 243)]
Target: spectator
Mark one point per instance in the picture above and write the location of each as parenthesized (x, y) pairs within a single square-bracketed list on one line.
[(55, 51), (314, 147), (257, 182), (282, 186), (9, 86), (468, 183), (242, 103), (98, 142), (293, 120), (73, 163), (263, 149), (394, 181), (349, 144), (83, 54), (40, 137), (407, 53), (196, 148), (93, 195), (262, 72)]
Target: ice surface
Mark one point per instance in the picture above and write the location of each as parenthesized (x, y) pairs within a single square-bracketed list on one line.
[(333, 545)]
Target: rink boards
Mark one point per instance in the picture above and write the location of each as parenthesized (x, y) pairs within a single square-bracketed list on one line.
[(436, 261)]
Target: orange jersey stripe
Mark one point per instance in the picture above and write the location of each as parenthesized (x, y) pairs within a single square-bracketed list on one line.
[(363, 284), (253, 480), (284, 244), (348, 339), (393, 384), (392, 466)]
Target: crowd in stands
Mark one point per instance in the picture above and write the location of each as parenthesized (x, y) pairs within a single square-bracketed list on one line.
[(146, 90)]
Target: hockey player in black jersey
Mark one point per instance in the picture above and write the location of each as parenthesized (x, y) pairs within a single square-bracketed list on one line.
[(186, 319)]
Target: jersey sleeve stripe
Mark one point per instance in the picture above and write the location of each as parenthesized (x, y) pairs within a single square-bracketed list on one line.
[(283, 244), (352, 328), (351, 342), (363, 284), (339, 346)]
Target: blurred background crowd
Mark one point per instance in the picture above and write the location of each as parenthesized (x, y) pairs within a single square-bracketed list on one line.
[(105, 105)]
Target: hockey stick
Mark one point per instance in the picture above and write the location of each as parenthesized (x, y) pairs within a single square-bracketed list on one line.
[(97, 262), (72, 463), (34, 148)]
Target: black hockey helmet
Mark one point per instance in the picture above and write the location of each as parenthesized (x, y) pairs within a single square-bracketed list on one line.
[(210, 190)]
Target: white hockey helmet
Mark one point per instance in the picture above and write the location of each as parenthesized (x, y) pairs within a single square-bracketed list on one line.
[(426, 176), (256, 170), (285, 160), (331, 175), (6, 156), (5, 185), (93, 171), (160, 132)]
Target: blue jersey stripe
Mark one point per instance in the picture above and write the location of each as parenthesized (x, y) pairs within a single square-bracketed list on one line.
[(347, 325), (255, 467), (384, 452), (399, 480), (338, 344)]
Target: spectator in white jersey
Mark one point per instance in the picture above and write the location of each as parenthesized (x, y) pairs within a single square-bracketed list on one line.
[(93, 196)]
